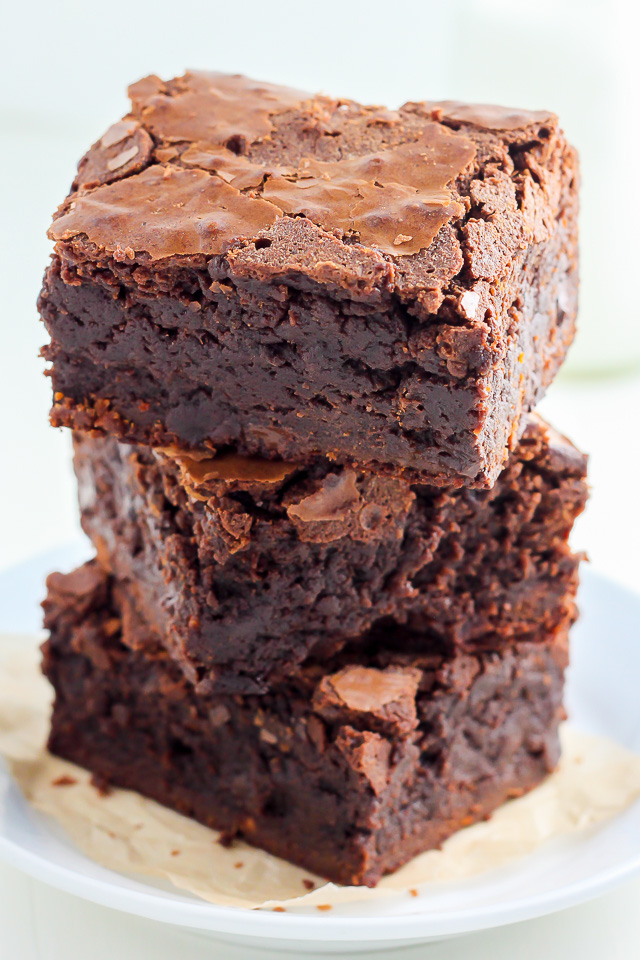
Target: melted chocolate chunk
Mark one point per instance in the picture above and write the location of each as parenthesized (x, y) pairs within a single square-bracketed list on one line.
[(490, 116), (230, 467), (338, 494)]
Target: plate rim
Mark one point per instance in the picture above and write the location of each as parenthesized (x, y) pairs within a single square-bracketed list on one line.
[(326, 928), (417, 926)]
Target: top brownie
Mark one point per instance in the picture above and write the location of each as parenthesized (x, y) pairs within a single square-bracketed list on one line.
[(240, 264)]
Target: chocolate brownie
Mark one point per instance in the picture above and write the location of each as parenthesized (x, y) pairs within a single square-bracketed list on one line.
[(243, 265), (247, 568), (347, 770)]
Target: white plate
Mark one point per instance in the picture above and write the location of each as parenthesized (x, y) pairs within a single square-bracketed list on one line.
[(602, 698)]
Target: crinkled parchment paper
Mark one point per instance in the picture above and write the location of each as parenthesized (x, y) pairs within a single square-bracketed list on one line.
[(596, 779)]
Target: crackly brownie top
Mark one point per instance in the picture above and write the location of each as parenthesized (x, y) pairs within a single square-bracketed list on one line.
[(210, 164)]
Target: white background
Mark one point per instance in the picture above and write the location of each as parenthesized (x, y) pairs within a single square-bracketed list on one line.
[(64, 68)]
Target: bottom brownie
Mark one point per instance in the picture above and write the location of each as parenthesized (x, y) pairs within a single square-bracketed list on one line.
[(347, 769)]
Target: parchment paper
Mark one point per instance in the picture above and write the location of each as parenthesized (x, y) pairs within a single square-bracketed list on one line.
[(596, 779)]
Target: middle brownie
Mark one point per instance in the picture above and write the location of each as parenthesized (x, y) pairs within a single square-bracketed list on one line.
[(248, 568)]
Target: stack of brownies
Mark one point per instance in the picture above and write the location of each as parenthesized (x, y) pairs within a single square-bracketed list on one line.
[(299, 341)]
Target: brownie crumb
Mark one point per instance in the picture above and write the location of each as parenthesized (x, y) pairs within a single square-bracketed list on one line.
[(64, 781), (101, 784), (226, 838)]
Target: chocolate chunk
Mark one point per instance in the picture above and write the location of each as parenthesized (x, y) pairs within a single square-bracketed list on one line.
[(231, 468), (383, 699), (338, 494), (490, 116), (126, 148), (368, 754)]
